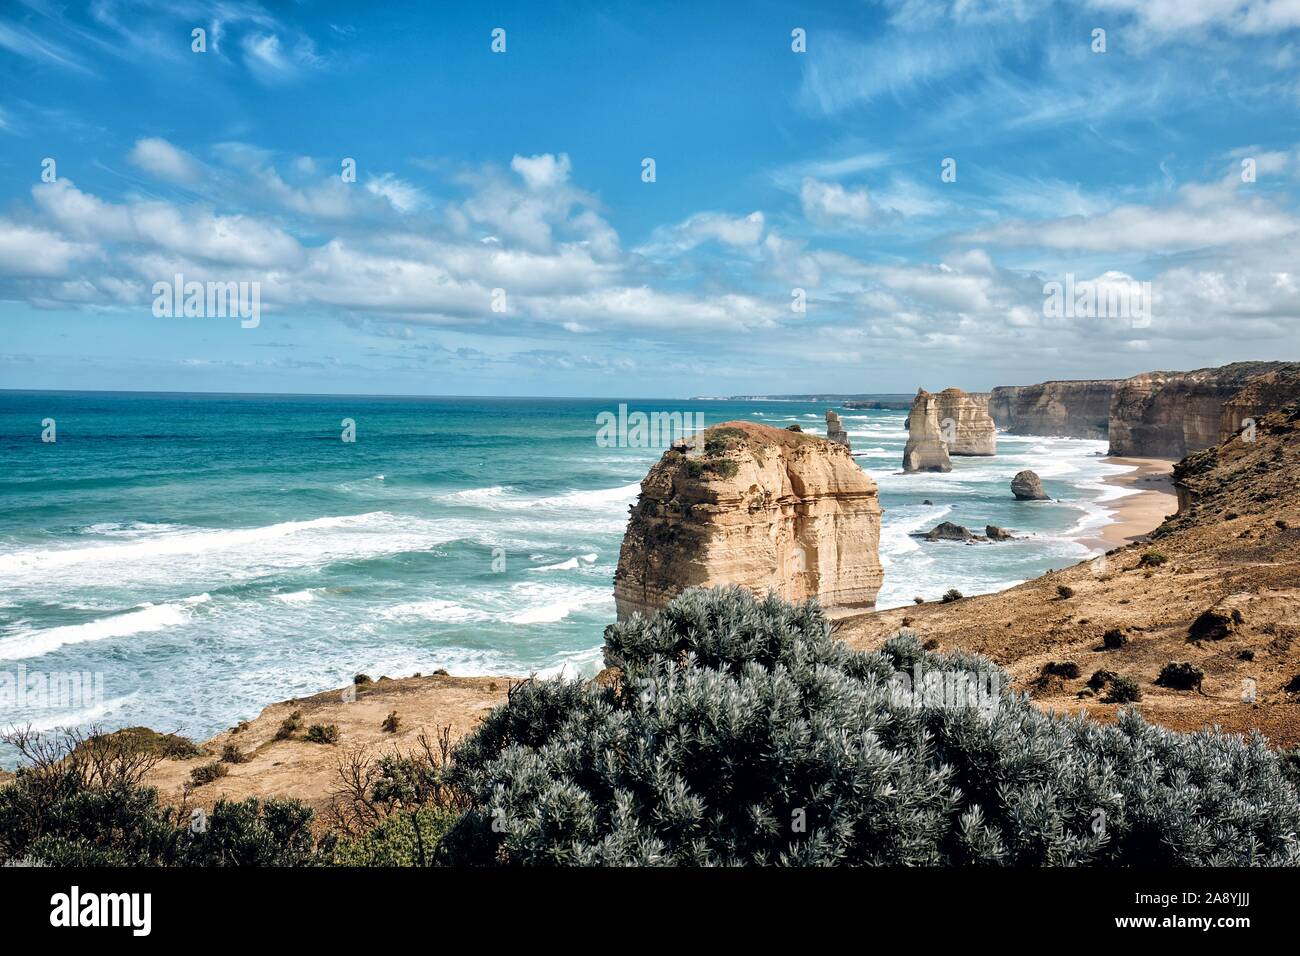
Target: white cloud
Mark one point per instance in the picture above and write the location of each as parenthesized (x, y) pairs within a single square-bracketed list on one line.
[(542, 172), (189, 231), (737, 232), (273, 61), (827, 203), (1208, 215), (30, 251), (162, 159), (401, 195), (1238, 16)]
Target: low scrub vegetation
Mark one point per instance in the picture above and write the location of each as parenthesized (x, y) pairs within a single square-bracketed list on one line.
[(323, 734), (79, 800), (737, 732), (742, 732)]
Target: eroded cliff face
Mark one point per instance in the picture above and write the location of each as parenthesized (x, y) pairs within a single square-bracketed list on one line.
[(925, 449), (972, 431), (765, 508), (1225, 596), (1259, 396), (1078, 409), (1152, 415), (1171, 414)]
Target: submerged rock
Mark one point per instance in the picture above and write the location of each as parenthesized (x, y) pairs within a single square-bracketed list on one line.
[(947, 531)]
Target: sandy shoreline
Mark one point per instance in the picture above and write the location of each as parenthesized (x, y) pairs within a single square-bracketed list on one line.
[(1135, 516)]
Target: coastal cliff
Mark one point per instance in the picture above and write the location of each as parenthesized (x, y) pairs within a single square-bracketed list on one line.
[(765, 508), (1257, 397), (925, 449), (972, 431), (1151, 415), (1170, 414), (1215, 588), (1069, 409)]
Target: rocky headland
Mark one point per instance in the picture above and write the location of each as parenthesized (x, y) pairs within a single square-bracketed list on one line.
[(1151, 415), (1215, 594), (1217, 587), (1171, 414)]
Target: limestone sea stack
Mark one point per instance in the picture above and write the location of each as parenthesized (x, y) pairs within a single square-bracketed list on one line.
[(1027, 486), (835, 431), (925, 449), (972, 431), (760, 507)]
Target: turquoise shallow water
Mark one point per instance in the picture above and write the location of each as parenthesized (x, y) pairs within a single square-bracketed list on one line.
[(210, 554)]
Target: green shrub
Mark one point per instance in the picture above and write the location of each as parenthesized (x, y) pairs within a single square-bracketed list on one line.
[(232, 754), (404, 838), (78, 801), (742, 732), (1152, 559), (717, 441), (1064, 591), (1066, 669), (207, 773), (1114, 639), (1123, 690), (360, 679), (289, 726), (952, 594), (699, 467), (391, 723), (323, 734), (1100, 679), (1181, 675)]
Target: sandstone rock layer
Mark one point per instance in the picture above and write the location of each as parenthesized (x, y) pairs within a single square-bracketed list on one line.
[(925, 449), (760, 507), (1171, 414), (1079, 409), (835, 430), (964, 421)]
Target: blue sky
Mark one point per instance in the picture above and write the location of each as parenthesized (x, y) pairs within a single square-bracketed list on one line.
[(522, 171)]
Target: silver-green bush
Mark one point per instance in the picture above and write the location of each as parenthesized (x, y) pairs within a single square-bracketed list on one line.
[(743, 733)]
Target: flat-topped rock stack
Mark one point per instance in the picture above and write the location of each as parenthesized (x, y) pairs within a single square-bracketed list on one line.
[(972, 431), (764, 508)]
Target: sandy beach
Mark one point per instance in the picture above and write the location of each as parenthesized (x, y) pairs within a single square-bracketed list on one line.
[(1135, 516)]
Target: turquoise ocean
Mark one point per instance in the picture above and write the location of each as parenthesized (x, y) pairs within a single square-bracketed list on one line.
[(211, 554)]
